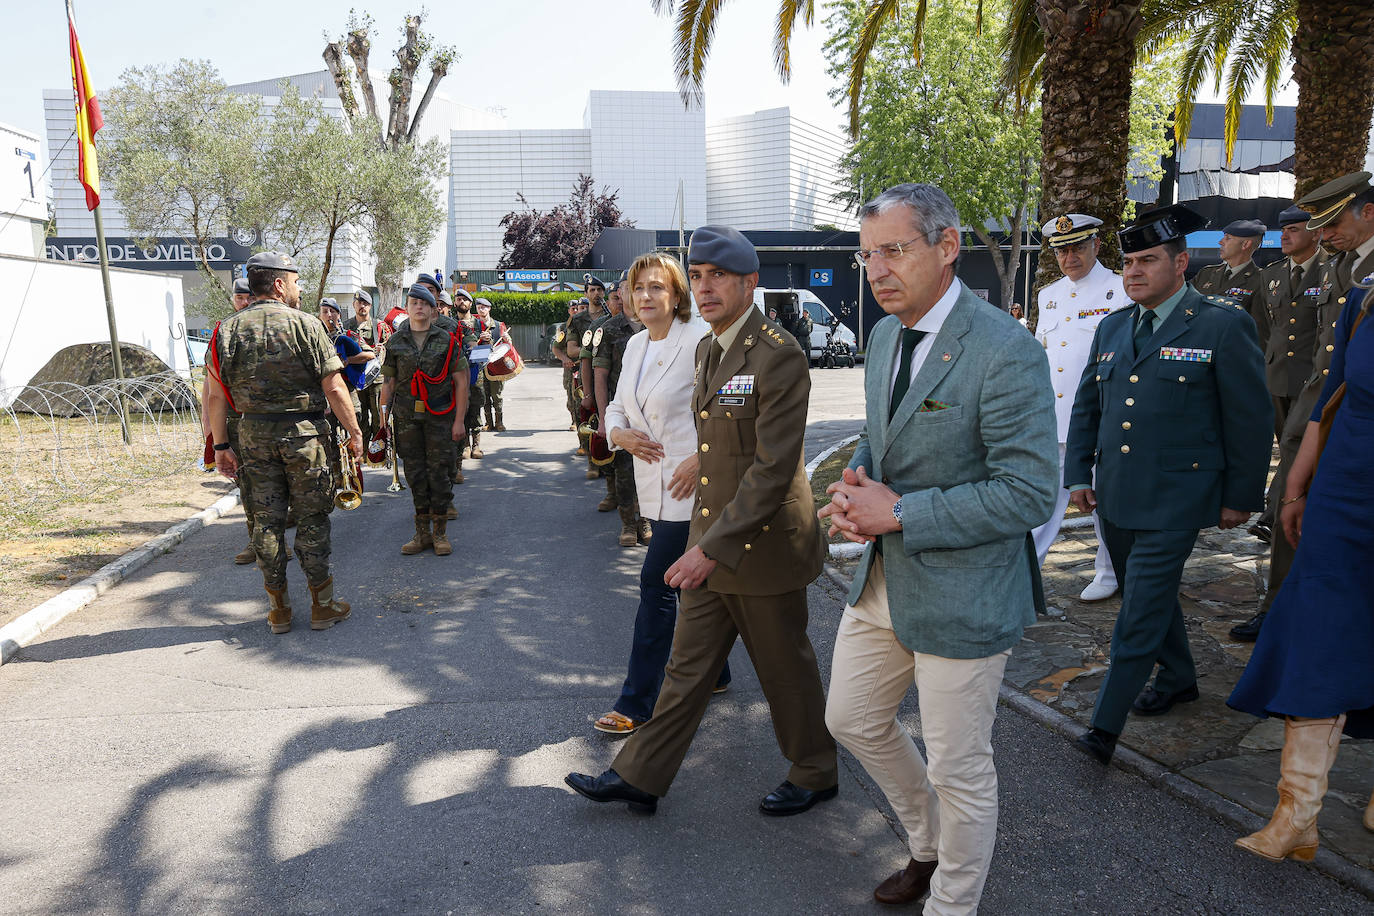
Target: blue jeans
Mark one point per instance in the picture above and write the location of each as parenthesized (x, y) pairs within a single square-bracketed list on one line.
[(654, 623)]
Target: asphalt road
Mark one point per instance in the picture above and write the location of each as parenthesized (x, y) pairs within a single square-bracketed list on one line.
[(164, 753)]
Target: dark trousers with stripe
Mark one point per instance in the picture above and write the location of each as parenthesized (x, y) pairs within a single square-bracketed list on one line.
[(1149, 629)]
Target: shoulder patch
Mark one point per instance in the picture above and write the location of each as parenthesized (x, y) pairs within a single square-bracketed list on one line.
[(596, 338)]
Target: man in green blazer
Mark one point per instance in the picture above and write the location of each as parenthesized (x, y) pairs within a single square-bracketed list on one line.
[(958, 461)]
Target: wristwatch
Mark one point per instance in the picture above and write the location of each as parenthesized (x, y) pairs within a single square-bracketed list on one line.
[(221, 446), (897, 511)]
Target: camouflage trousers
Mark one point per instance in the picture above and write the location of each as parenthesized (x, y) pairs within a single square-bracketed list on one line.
[(281, 472), (570, 387), (242, 479), (492, 391), (426, 448), (477, 399), (622, 469)]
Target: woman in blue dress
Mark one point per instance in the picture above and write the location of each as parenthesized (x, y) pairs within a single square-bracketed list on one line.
[(1314, 661)]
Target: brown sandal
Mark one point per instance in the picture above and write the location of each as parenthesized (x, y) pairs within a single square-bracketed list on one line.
[(613, 723)]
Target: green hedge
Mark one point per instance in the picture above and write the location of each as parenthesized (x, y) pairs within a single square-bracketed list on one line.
[(529, 308)]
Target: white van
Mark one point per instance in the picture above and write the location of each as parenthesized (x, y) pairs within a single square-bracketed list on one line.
[(819, 313)]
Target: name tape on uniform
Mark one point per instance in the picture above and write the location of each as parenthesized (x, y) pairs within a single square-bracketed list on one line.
[(740, 384), (1187, 354)]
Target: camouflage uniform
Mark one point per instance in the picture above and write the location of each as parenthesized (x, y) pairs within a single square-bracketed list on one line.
[(369, 412), (609, 354), (424, 439), (491, 391), (560, 345), (472, 420), (577, 326), (272, 359), (588, 373)]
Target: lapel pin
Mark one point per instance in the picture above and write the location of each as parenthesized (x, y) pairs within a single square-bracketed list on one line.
[(946, 357)]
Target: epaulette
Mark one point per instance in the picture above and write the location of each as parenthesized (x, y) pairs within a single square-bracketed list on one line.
[(1222, 301), (1125, 308), (769, 332)]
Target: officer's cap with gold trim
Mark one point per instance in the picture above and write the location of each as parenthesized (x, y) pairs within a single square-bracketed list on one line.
[(1070, 229), (1156, 227), (1328, 202), (272, 260)]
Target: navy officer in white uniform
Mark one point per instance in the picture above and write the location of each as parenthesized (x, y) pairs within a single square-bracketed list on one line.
[(1070, 309)]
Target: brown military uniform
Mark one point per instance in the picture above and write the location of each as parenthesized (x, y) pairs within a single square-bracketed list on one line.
[(1243, 287), (753, 515)]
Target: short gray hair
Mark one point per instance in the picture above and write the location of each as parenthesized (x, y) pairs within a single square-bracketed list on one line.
[(932, 212)]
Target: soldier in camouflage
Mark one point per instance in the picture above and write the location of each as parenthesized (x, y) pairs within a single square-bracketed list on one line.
[(425, 390), (608, 354), (277, 367), (491, 333), (559, 348), (588, 375), (471, 446)]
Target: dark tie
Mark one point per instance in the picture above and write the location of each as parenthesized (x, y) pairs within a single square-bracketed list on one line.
[(713, 360), (1144, 330), (1296, 288), (910, 338)]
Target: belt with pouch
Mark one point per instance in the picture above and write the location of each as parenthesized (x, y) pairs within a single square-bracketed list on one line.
[(294, 416)]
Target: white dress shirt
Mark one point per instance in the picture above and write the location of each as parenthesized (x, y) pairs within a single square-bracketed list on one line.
[(930, 322)]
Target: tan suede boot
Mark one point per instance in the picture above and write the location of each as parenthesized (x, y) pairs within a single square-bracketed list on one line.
[(610, 503), (442, 547), (279, 613), (1309, 750), (477, 446), (325, 611), (422, 540)]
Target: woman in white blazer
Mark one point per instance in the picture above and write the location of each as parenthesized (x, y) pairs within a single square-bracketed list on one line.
[(651, 418)]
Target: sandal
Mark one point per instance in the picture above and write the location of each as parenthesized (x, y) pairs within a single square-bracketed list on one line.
[(613, 723)]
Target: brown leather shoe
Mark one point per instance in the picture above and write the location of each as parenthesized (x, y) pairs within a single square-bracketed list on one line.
[(908, 885)]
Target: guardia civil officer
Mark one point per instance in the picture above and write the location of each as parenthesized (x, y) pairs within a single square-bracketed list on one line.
[(1070, 309), (607, 357), (425, 392), (276, 366), (1237, 277), (1173, 416), (1343, 217)]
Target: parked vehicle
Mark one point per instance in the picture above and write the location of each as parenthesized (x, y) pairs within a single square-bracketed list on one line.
[(825, 326)]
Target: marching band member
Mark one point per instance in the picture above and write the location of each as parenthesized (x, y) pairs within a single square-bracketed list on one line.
[(490, 333)]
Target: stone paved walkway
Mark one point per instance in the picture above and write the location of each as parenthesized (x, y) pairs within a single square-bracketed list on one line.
[(1063, 657)]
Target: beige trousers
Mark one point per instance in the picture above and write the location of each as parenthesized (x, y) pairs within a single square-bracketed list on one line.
[(949, 806)]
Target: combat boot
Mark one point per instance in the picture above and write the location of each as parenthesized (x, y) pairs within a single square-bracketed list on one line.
[(246, 555), (629, 527), (442, 547), (500, 423), (458, 471), (645, 531), (279, 613), (477, 445), (450, 514), (486, 412), (325, 611), (610, 503), (422, 538)]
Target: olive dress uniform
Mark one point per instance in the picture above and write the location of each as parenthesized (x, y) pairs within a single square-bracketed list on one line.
[(1178, 430), (1242, 286), (754, 516), (424, 424), (271, 359), (609, 353)]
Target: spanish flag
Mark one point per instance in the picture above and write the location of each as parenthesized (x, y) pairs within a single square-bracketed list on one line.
[(88, 119)]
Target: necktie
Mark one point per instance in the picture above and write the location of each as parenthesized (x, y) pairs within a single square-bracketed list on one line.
[(1144, 330), (910, 338), (1296, 288), (713, 360)]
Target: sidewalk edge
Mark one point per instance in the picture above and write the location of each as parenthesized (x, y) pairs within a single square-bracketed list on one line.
[(33, 623)]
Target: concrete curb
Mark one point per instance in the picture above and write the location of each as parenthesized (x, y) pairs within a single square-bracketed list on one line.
[(1244, 820), (24, 629)]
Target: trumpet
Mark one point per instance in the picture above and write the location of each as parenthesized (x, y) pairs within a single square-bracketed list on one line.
[(350, 492)]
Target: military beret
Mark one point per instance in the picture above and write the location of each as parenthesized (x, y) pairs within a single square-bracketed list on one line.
[(1244, 228), (427, 278), (481, 301), (624, 275), (725, 248), (1293, 215), (1156, 227), (419, 292), (241, 286), (1070, 229), (445, 298), (461, 293), (328, 303), (364, 295), (272, 260), (594, 281), (1328, 202), (582, 301)]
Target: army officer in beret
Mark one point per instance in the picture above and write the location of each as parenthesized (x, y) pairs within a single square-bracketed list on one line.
[(1238, 276)]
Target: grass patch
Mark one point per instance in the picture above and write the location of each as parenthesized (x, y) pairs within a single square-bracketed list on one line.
[(827, 473)]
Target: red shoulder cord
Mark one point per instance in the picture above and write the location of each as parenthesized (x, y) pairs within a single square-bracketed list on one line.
[(420, 382), (214, 363)]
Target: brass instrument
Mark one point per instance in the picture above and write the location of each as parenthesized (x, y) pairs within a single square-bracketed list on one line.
[(393, 461), (350, 493)]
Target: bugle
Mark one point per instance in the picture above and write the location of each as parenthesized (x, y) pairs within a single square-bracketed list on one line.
[(350, 492)]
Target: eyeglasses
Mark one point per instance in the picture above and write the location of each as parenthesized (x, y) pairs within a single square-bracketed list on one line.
[(885, 252)]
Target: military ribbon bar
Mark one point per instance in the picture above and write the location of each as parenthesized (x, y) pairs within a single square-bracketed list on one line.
[(740, 384), (1187, 354), (1093, 313)]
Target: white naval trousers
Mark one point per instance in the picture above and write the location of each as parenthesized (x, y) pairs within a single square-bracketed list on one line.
[(1044, 535), (949, 806)]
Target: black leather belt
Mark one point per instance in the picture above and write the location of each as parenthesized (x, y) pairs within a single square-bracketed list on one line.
[(294, 416)]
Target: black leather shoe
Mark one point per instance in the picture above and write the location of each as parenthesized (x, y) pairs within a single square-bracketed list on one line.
[(1152, 702), (1248, 631), (788, 799), (1101, 744), (610, 787), (1261, 531)]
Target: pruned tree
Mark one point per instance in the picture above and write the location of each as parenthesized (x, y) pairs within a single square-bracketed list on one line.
[(563, 237), (402, 229), (181, 153)]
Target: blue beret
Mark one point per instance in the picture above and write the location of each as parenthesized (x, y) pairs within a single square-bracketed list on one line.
[(419, 292), (363, 295), (272, 260), (1293, 215), (725, 248), (426, 278), (1245, 228), (241, 286), (594, 281), (328, 302)]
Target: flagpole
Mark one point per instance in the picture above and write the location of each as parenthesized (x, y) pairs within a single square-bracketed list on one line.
[(114, 331)]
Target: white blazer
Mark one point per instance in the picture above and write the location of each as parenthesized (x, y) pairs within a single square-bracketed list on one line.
[(661, 408)]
